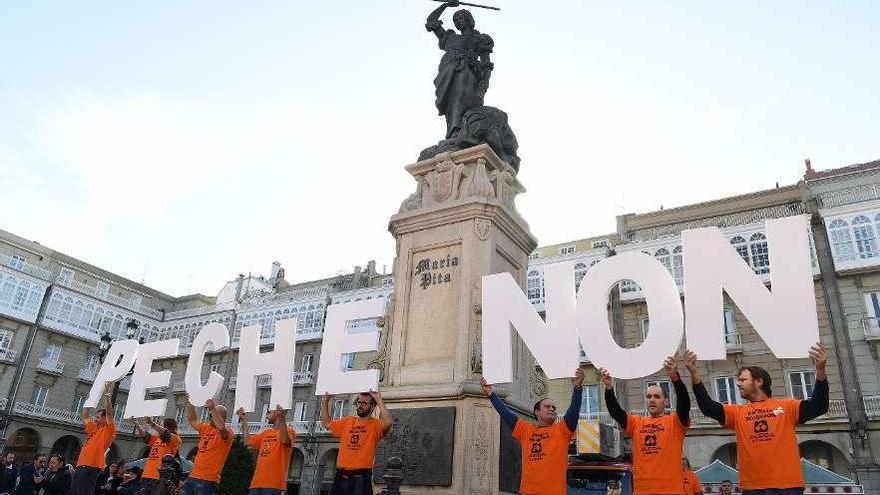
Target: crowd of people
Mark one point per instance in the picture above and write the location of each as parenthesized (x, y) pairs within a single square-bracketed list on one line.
[(767, 451), (766, 444), (359, 437)]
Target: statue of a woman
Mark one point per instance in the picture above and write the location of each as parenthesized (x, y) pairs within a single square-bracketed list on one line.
[(463, 75)]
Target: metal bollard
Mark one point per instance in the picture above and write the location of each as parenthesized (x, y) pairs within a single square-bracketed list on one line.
[(393, 476)]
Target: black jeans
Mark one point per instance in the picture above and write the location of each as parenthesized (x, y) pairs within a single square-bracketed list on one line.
[(775, 491), (84, 479), (352, 484)]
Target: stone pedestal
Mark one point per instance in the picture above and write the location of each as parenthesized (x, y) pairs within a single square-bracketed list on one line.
[(459, 225)]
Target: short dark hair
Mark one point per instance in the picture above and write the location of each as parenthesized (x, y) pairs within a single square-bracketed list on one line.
[(759, 372), (58, 456), (369, 396), (726, 481), (538, 406), (170, 424)]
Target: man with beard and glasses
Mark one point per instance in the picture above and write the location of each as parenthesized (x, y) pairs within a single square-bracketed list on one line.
[(358, 438), (658, 439), (766, 445)]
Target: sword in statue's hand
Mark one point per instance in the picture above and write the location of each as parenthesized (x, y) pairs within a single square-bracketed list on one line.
[(456, 4)]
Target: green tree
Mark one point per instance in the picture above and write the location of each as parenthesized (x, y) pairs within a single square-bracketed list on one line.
[(238, 470)]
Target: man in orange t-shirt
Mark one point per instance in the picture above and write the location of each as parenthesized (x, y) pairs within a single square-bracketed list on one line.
[(274, 446), (215, 440), (766, 444), (543, 446), (692, 484), (358, 438), (100, 433), (658, 439), (165, 441)]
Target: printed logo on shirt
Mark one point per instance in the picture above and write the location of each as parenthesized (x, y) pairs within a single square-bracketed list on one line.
[(537, 439), (650, 433), (761, 430), (354, 436), (267, 446)]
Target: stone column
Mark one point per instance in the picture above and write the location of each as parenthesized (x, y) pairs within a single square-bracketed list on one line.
[(459, 225)]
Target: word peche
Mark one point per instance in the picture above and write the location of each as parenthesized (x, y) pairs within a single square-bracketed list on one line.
[(784, 318)]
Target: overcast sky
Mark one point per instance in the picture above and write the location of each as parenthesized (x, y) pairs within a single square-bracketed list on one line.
[(182, 143)]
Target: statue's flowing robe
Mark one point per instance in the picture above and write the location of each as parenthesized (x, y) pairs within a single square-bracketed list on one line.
[(460, 85)]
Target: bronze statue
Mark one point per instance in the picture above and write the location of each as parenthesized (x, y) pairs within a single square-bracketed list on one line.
[(463, 75), (461, 83)]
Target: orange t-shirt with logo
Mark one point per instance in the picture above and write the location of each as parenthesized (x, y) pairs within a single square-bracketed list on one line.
[(212, 452), (657, 445), (273, 458), (98, 440), (158, 450), (692, 484), (544, 457), (358, 439), (766, 446)]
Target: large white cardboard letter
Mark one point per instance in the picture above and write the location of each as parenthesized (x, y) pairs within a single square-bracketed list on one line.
[(113, 368), (278, 362), (505, 307), (143, 378), (784, 317), (664, 313), (215, 337), (338, 341)]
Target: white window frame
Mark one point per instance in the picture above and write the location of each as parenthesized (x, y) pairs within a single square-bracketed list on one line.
[(7, 339), (566, 250), (65, 276), (102, 289), (590, 402), (338, 410), (800, 390), (731, 337), (299, 411), (644, 327), (52, 353), (17, 262), (306, 364), (733, 396), (76, 406), (38, 397)]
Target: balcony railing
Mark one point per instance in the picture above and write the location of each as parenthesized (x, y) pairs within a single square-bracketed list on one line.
[(303, 378), (264, 381), (836, 409), (733, 342), (110, 298), (25, 267), (51, 366), (872, 406), (43, 412), (871, 325), (7, 355), (202, 310), (88, 374)]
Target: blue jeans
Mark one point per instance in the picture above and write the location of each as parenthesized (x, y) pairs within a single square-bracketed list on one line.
[(265, 491), (193, 486), (775, 491)]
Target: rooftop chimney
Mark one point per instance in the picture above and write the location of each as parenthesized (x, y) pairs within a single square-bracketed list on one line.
[(810, 173)]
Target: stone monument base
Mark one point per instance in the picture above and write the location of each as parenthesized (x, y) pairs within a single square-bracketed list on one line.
[(459, 225)]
